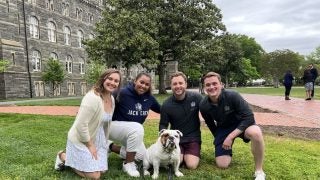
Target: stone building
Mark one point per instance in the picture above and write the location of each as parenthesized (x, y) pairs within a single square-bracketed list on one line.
[(32, 31)]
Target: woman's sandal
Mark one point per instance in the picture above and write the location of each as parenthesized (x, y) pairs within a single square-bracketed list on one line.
[(59, 165)]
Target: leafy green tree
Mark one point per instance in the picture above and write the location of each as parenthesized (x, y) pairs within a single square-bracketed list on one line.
[(3, 65), (276, 63), (314, 57), (153, 32), (53, 73), (93, 71), (251, 50)]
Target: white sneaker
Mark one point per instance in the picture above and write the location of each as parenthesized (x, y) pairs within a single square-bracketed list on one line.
[(131, 169), (59, 165), (260, 175)]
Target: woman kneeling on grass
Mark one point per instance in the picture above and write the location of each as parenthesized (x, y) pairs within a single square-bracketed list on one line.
[(87, 148)]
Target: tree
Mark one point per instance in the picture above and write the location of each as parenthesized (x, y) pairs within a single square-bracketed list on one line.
[(276, 63), (53, 73), (3, 65), (154, 32), (314, 56), (93, 71)]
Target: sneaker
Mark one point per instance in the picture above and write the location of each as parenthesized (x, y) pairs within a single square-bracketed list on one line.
[(131, 169), (59, 164), (260, 175)]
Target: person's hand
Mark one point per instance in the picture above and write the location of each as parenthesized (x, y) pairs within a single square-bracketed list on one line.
[(92, 149), (227, 143)]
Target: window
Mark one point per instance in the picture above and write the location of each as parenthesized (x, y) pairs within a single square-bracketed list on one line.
[(36, 61), (81, 66), (79, 14), (34, 2), (13, 58), (90, 17), (34, 27), (91, 36), (39, 88), (83, 88), (65, 9), (71, 88), (8, 5), (49, 5), (69, 64), (57, 89), (53, 55), (52, 32), (80, 38), (67, 35)]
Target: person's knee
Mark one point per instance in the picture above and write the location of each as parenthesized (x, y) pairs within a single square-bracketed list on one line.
[(254, 133), (223, 162), (192, 165), (93, 175)]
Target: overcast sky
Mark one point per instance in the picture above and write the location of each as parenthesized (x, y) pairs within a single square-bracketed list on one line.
[(275, 24)]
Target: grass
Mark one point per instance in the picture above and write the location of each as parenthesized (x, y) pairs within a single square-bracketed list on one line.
[(296, 91), (29, 145)]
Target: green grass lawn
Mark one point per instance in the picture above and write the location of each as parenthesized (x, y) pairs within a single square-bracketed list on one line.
[(29, 144)]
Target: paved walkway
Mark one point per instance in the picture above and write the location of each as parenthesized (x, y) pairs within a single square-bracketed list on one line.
[(296, 112)]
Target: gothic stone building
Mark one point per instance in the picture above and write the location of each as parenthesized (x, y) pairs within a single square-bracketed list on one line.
[(32, 31)]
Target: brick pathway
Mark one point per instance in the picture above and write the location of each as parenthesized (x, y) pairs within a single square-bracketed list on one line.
[(296, 112)]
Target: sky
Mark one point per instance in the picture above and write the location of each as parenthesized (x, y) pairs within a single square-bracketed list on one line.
[(275, 24)]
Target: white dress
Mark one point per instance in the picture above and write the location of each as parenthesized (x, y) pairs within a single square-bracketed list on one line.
[(81, 159)]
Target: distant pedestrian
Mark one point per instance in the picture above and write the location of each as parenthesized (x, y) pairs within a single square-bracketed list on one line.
[(287, 82), (308, 82), (314, 73)]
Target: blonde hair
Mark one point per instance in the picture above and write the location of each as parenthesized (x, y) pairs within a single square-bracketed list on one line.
[(179, 73)]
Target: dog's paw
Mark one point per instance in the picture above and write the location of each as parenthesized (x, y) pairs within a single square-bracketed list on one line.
[(146, 173), (155, 176), (178, 174)]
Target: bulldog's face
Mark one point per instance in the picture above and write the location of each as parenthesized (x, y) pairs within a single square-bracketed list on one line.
[(170, 139)]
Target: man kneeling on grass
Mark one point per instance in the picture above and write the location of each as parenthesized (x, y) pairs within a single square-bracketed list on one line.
[(229, 116)]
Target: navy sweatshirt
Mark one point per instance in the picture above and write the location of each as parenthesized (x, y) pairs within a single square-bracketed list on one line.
[(130, 106)]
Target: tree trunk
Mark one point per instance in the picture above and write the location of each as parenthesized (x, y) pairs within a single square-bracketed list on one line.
[(275, 82), (161, 70)]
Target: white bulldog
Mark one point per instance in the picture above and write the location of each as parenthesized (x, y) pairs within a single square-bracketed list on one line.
[(164, 152)]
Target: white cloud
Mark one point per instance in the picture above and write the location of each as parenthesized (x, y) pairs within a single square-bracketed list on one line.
[(275, 24)]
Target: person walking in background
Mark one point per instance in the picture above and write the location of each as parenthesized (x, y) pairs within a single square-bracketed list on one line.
[(314, 73), (287, 82), (181, 111), (229, 116), (87, 148), (132, 108), (308, 82)]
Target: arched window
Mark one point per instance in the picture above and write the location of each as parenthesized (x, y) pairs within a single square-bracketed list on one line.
[(36, 61), (53, 55), (52, 32), (69, 64), (65, 9), (67, 35), (80, 38), (91, 36), (49, 4), (34, 27), (81, 66)]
